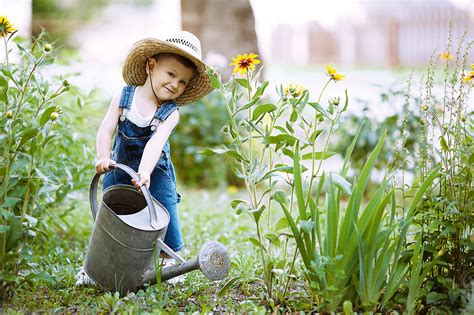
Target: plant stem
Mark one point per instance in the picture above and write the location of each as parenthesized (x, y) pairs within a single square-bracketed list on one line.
[(25, 86), (6, 48)]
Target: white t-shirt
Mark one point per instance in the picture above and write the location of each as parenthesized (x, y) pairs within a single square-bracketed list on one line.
[(134, 116)]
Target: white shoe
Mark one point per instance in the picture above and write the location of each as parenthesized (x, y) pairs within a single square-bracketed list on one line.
[(82, 278), (168, 262)]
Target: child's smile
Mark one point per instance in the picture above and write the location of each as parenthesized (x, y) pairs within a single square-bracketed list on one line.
[(170, 78)]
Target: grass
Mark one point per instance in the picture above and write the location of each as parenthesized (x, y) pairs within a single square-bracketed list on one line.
[(204, 215)]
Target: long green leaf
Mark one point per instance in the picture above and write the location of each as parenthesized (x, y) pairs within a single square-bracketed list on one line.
[(300, 196), (332, 220), (298, 182), (345, 165), (279, 196), (356, 196)]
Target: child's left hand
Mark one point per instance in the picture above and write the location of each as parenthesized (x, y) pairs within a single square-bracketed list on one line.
[(144, 180)]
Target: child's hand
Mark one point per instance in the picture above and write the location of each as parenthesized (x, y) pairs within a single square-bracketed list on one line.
[(144, 180), (103, 165)]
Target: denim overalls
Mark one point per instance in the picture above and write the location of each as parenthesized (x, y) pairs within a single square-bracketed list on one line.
[(129, 144)]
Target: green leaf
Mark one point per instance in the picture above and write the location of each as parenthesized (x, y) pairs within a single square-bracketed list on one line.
[(345, 165), (281, 224), (355, 200), (220, 151), (346, 102), (27, 135), (11, 201), (243, 82), (296, 233), (319, 109), (215, 79), (293, 116), (260, 90), (231, 282), (15, 232), (273, 238), (284, 169), (444, 144), (46, 115), (4, 228), (246, 106), (341, 183), (307, 226), (234, 203), (260, 110), (255, 242), (318, 155), (314, 135), (281, 138), (280, 197), (42, 276)]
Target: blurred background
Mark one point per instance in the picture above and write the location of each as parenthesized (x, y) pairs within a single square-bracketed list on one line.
[(374, 43), (296, 37)]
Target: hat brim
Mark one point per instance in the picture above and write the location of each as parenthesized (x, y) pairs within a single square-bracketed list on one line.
[(134, 68)]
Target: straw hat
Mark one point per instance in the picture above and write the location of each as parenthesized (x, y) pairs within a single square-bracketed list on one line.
[(184, 44)]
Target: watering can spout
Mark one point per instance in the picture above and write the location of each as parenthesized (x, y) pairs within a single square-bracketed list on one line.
[(213, 260)]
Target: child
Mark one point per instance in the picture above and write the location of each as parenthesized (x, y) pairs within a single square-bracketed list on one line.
[(160, 76)]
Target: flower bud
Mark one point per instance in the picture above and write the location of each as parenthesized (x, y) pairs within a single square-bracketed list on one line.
[(54, 116), (463, 118), (66, 83), (47, 47), (59, 109), (424, 107), (336, 100), (9, 115)]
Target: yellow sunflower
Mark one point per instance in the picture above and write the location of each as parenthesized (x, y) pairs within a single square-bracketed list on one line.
[(469, 77), (245, 62), (5, 26), (446, 56), (331, 71), (294, 91)]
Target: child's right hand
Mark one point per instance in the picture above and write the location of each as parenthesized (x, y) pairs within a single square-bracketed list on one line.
[(103, 165)]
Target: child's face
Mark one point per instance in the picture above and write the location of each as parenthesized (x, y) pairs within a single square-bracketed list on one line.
[(170, 77)]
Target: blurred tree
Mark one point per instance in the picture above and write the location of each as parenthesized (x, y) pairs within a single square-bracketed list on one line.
[(225, 28)]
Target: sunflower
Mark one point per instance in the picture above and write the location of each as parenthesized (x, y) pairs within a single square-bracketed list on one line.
[(294, 91), (446, 56), (243, 63), (470, 76), (331, 71), (5, 26)]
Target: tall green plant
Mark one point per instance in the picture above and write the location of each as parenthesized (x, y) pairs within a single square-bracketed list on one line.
[(446, 130), (262, 137), (41, 159), (329, 246)]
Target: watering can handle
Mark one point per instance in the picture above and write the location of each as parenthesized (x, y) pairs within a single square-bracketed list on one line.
[(133, 175)]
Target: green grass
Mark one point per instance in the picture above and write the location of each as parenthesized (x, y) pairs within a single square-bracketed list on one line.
[(205, 215)]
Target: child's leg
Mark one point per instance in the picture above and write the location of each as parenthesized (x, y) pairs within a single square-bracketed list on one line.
[(163, 189)]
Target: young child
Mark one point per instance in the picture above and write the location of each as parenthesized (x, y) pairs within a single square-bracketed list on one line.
[(160, 76)]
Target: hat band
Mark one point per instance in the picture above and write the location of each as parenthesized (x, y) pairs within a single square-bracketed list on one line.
[(183, 42)]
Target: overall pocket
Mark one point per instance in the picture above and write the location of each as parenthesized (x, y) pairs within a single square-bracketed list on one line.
[(130, 150)]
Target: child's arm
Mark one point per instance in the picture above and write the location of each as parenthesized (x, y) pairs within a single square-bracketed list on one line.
[(104, 136), (153, 148)]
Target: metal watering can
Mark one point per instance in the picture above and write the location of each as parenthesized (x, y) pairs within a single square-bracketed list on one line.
[(129, 227)]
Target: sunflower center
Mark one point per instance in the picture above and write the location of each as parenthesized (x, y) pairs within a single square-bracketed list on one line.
[(245, 63)]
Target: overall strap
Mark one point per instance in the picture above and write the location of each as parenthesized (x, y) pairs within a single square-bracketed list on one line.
[(162, 113), (126, 100)]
